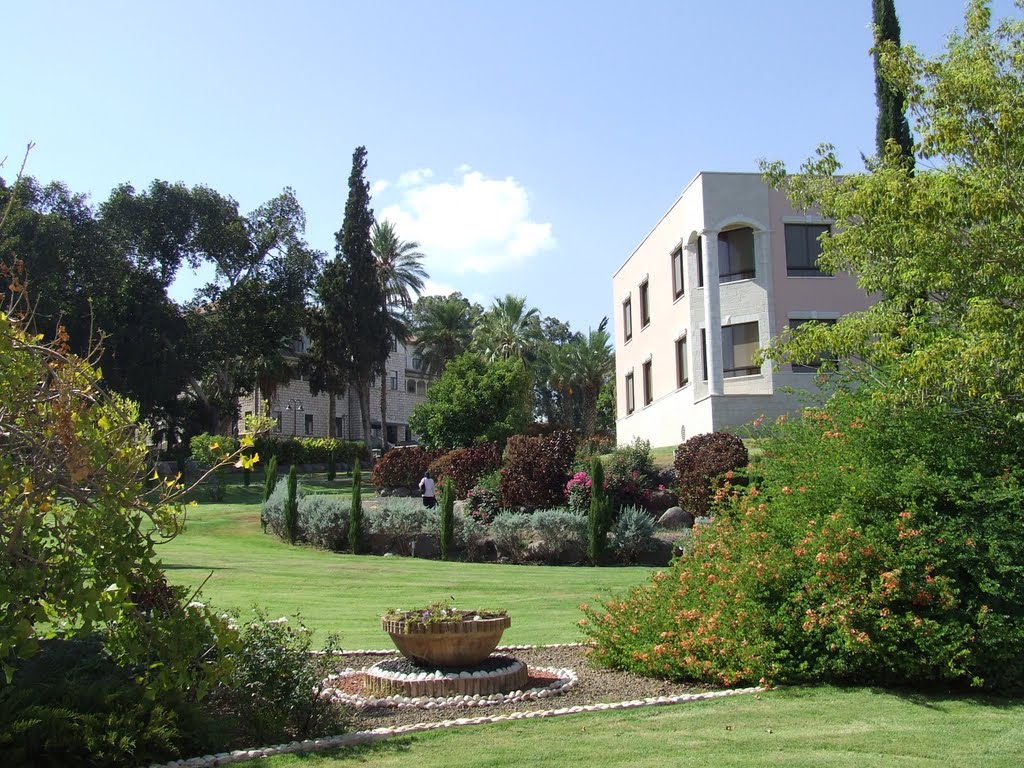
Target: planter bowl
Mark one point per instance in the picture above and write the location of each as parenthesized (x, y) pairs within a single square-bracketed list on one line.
[(456, 644)]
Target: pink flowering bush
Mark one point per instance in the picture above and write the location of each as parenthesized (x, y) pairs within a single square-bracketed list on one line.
[(577, 493)]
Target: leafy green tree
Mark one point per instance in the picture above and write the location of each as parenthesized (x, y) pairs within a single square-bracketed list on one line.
[(509, 329), (443, 328), (474, 401), (401, 274), (591, 364), (360, 308), (892, 110), (944, 242), (78, 519)]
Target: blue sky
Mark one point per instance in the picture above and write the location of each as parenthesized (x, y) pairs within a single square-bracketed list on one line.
[(528, 146)]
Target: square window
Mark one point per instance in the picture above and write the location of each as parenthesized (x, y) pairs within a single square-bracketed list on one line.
[(677, 273), (645, 304), (630, 397), (682, 364), (739, 345), (803, 247), (648, 384), (735, 255)]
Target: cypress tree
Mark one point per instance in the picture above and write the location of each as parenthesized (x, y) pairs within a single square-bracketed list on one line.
[(447, 519), (269, 484), (360, 308), (355, 517), (291, 506), (599, 515), (892, 119)]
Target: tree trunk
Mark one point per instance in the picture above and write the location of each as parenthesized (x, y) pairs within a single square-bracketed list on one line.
[(363, 393), (384, 411), (332, 409)]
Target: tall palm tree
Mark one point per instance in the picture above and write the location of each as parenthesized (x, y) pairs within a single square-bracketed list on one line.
[(401, 274), (443, 328), (509, 329), (592, 362)]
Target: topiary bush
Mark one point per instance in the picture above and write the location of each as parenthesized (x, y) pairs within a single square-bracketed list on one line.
[(396, 522), (599, 515), (447, 514), (291, 506), (355, 518), (465, 466), (536, 469), (310, 450), (700, 462), (273, 509), (874, 543), (403, 467)]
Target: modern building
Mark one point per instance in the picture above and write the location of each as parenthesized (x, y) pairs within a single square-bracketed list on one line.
[(299, 414), (729, 266)]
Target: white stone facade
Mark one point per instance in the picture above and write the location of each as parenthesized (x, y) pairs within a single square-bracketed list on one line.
[(718, 282), (300, 414)]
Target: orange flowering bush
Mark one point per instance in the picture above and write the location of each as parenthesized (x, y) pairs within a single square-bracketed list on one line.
[(870, 544)]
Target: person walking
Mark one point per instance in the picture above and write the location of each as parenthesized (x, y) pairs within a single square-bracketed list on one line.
[(429, 491)]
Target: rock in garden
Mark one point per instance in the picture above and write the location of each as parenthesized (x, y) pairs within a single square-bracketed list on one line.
[(676, 517)]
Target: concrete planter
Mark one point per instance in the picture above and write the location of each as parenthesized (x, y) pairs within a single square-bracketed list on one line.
[(455, 644)]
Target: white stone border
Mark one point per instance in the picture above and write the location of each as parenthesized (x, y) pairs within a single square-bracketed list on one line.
[(329, 743), (567, 680)]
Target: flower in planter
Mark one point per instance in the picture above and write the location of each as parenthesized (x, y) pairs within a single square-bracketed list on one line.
[(440, 612)]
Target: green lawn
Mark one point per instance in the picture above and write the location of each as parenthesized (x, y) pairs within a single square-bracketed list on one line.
[(347, 594), (790, 727), (796, 728)]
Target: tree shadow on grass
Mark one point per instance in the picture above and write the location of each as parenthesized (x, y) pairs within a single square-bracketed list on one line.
[(360, 753), (938, 698), (183, 567)]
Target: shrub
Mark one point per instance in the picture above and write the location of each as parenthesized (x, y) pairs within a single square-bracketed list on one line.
[(291, 506), (589, 447), (561, 532), (447, 519), (71, 705), (472, 536), (399, 521), (483, 504), (310, 450), (701, 461), (875, 543), (511, 534), (402, 467), (577, 493), (275, 689), (632, 534), (466, 465), (272, 510), (207, 451), (630, 474), (536, 469), (270, 478), (355, 519), (598, 515), (323, 521)]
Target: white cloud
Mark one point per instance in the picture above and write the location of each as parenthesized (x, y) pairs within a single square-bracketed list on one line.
[(414, 178), (472, 224), (379, 186)]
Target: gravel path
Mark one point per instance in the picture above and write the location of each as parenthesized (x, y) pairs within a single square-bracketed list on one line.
[(596, 686)]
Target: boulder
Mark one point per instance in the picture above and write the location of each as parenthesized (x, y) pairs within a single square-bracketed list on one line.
[(658, 554), (676, 517), (425, 545)]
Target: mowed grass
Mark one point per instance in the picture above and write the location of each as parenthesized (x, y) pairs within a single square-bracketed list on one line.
[(346, 594), (796, 728)]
